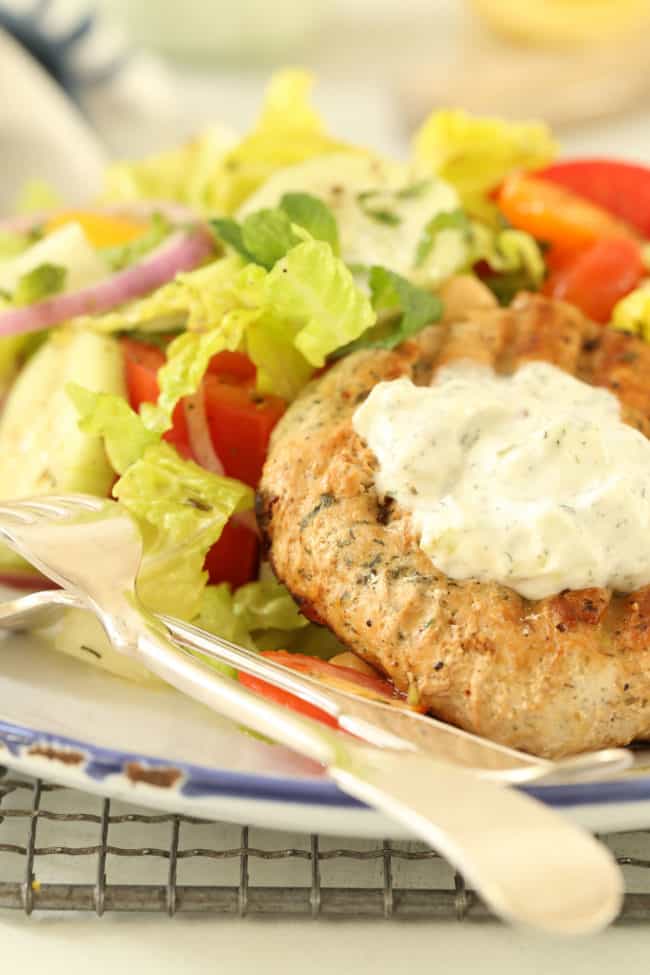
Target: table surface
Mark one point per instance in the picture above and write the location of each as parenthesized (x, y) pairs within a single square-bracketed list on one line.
[(71, 944)]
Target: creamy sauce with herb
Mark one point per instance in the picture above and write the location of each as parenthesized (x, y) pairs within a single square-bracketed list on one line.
[(530, 480)]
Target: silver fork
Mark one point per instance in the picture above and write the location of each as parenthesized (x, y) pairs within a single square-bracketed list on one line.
[(377, 723), (529, 864)]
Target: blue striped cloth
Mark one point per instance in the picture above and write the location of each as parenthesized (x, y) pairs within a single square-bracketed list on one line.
[(69, 53)]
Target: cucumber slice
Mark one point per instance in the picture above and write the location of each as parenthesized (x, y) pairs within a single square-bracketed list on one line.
[(381, 210), (42, 450), (81, 635)]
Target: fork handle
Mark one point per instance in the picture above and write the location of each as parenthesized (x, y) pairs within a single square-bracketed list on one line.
[(529, 864)]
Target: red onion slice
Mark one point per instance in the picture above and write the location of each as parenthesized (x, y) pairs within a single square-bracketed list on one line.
[(199, 432), (182, 251), (203, 450)]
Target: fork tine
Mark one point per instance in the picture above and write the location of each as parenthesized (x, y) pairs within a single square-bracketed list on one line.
[(53, 505), (13, 511), (74, 501), (39, 508)]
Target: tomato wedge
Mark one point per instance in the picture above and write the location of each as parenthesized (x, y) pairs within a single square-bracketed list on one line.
[(240, 423), (557, 216), (596, 279), (141, 364), (621, 188), (341, 678)]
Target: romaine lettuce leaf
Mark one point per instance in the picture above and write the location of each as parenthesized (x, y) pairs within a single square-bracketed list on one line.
[(474, 154), (217, 615), (315, 291), (188, 357), (281, 368), (186, 174), (267, 604), (109, 416), (181, 510), (288, 131), (196, 300), (214, 175)]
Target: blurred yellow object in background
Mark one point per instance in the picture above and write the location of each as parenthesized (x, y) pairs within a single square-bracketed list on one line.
[(561, 22), (101, 229)]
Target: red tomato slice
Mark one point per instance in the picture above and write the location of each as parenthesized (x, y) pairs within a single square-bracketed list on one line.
[(234, 557), (557, 216), (598, 277), (232, 364), (141, 364), (621, 188), (343, 678), (240, 423)]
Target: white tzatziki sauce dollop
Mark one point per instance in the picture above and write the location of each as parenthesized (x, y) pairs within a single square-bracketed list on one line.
[(530, 480)]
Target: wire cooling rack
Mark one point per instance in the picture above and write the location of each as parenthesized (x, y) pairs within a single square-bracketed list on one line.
[(63, 850)]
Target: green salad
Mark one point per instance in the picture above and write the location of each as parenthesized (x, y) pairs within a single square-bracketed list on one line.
[(150, 341)]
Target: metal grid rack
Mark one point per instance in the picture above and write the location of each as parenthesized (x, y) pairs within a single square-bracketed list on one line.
[(95, 859)]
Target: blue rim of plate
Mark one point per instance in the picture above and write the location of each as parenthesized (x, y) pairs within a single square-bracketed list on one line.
[(198, 781)]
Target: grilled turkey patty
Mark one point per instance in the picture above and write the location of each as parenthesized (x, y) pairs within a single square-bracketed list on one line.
[(554, 676)]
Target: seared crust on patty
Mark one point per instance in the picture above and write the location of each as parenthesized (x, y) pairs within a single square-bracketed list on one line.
[(554, 676)]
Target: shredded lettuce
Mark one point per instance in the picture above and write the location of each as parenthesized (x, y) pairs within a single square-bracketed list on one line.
[(216, 615), (265, 605), (109, 416), (632, 313), (215, 176), (187, 174), (281, 368), (182, 510), (514, 257), (314, 289), (188, 357), (196, 300), (289, 130), (474, 154), (288, 320), (180, 507)]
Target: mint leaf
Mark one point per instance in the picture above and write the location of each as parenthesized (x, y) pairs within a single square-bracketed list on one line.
[(448, 220), (263, 238), (268, 236), (410, 309), (230, 232), (315, 216), (39, 283)]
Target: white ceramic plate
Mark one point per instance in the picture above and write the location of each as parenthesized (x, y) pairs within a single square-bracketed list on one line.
[(71, 723)]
